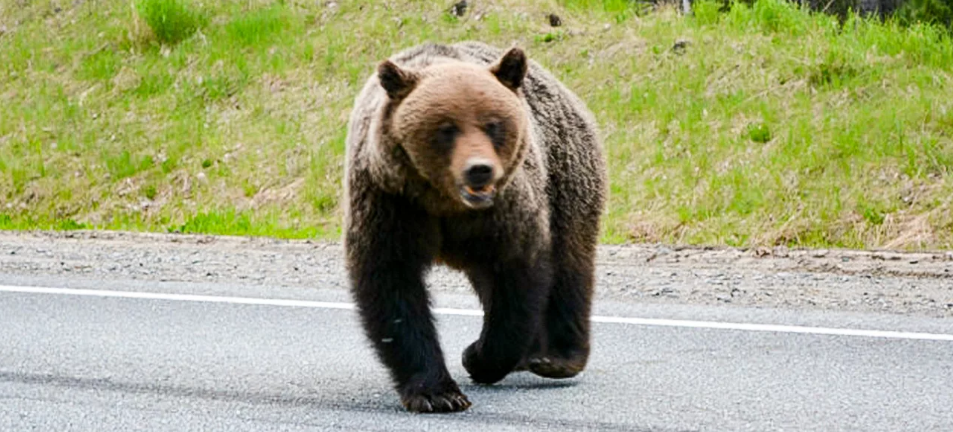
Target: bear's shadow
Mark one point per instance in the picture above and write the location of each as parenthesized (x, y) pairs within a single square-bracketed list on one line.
[(522, 381)]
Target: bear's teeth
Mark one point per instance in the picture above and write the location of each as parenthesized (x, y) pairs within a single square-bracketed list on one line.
[(484, 189)]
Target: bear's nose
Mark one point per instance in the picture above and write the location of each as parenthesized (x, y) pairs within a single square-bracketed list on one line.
[(478, 175)]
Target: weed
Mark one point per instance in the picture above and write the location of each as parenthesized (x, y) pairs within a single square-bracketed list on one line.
[(759, 133), (171, 21), (150, 192), (258, 26)]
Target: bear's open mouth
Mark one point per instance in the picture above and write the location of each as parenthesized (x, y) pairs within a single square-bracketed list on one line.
[(480, 197)]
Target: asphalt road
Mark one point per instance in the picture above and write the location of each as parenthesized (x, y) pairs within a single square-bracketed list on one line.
[(98, 363)]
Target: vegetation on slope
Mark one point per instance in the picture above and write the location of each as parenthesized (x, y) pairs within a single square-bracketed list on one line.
[(762, 125)]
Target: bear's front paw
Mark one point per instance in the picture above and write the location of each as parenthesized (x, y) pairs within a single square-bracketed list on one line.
[(482, 371), (423, 396)]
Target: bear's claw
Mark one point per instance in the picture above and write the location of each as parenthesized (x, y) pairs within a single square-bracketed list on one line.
[(436, 403), (443, 398)]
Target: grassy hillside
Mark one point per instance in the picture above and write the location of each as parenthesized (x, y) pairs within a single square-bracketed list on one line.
[(764, 125)]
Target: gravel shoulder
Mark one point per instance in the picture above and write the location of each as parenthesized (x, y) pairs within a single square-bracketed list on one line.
[(906, 283)]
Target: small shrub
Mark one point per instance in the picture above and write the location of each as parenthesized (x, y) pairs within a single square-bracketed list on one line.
[(214, 222), (168, 165), (125, 164), (939, 12), (259, 26), (70, 224), (759, 133), (171, 21), (707, 12), (604, 5), (832, 74), (150, 192), (548, 37), (874, 216)]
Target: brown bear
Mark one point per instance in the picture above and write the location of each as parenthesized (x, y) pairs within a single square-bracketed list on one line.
[(479, 159)]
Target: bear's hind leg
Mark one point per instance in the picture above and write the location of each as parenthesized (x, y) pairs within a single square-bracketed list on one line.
[(514, 298), (565, 352)]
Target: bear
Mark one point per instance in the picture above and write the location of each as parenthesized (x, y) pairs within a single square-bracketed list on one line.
[(479, 159)]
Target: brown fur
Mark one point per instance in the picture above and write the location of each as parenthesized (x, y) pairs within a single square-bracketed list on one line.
[(529, 255)]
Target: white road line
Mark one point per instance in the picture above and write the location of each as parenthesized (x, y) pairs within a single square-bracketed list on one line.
[(176, 297), (473, 312)]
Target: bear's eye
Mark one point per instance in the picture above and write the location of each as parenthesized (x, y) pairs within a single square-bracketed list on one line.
[(497, 133), (445, 136)]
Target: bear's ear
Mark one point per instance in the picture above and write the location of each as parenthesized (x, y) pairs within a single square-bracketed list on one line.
[(397, 82), (511, 68)]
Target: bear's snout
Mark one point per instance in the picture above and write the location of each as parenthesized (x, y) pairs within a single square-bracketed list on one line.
[(478, 175), (478, 189)]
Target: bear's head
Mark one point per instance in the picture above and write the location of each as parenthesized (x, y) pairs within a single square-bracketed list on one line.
[(463, 126)]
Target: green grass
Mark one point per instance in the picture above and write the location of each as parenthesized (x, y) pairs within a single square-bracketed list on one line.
[(170, 20), (772, 126)]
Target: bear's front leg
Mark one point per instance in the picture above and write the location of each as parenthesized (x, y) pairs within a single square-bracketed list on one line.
[(388, 253), (395, 312), (514, 298)]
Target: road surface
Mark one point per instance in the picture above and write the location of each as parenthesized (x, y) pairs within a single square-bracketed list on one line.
[(105, 352)]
